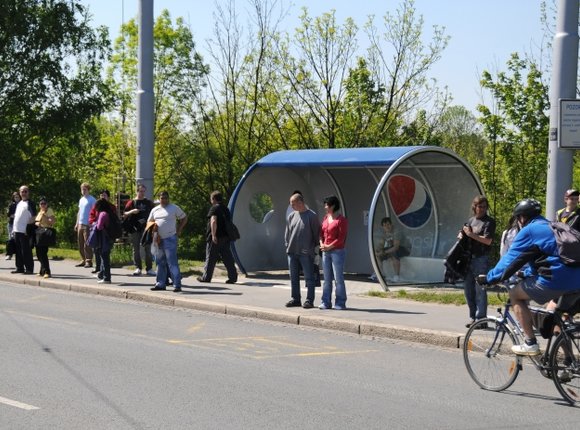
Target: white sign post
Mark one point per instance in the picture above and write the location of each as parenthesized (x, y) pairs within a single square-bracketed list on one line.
[(569, 129)]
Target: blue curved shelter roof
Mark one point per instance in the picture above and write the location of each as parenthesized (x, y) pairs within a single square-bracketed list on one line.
[(337, 157)]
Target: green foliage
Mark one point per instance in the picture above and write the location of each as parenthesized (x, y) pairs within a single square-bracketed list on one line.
[(517, 131), (50, 89)]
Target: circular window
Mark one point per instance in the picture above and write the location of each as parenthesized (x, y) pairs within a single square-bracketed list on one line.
[(261, 207)]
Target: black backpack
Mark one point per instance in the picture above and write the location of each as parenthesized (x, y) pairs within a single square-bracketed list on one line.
[(568, 240), (115, 227)]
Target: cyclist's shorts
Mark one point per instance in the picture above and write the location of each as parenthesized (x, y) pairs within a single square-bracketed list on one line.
[(538, 293)]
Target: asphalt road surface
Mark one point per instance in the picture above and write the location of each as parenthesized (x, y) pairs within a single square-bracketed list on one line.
[(70, 361)]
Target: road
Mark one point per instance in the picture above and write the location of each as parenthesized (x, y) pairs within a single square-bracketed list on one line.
[(72, 361)]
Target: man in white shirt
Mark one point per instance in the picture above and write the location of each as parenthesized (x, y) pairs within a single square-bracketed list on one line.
[(82, 227), (24, 215), (170, 220)]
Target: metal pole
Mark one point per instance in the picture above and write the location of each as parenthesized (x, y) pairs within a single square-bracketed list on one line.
[(563, 86), (145, 99)]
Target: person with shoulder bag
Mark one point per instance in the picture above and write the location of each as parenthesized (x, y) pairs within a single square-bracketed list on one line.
[(218, 243), (44, 221)]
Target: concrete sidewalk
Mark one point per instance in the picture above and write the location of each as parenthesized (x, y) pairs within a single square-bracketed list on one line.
[(263, 296)]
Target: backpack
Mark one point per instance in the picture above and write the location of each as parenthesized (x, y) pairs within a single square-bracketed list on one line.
[(115, 227), (568, 241)]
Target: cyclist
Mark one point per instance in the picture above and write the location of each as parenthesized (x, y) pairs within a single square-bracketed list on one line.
[(545, 276)]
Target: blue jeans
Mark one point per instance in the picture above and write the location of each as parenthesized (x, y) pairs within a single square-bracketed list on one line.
[(167, 256), (295, 262), (475, 295), (333, 268)]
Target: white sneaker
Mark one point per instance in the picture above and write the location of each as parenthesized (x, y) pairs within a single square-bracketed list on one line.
[(525, 349), (151, 272), (103, 281), (8, 257), (137, 272)]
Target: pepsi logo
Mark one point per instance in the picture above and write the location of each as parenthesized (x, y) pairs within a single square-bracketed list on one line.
[(410, 201)]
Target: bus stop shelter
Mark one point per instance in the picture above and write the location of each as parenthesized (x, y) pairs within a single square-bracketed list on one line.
[(425, 191)]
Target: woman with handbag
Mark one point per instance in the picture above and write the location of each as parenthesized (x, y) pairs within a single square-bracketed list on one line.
[(44, 220)]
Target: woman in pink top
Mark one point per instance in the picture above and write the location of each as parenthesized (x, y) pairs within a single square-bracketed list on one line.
[(104, 243), (332, 241)]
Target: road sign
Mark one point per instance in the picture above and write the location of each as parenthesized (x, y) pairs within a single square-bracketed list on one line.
[(569, 127)]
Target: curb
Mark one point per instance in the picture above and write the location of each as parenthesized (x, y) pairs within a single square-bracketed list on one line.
[(443, 339)]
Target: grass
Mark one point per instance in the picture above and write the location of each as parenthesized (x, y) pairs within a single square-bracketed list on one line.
[(433, 296)]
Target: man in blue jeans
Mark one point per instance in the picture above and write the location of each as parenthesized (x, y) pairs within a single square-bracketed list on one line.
[(301, 237), (170, 220), (480, 229)]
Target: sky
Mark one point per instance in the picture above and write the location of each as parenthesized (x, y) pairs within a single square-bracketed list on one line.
[(483, 33)]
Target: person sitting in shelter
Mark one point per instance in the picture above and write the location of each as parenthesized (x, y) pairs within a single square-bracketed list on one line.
[(390, 247)]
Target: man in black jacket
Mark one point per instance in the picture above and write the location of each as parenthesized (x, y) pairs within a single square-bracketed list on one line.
[(218, 244)]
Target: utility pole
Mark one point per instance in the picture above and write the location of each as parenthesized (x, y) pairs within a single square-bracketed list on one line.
[(145, 99), (563, 86)]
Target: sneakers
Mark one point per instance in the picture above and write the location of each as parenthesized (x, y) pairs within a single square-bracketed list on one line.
[(308, 304), (103, 281), (137, 272), (158, 287), (8, 257), (46, 276), (200, 279), (293, 303), (525, 349), (339, 307), (151, 272), (324, 306)]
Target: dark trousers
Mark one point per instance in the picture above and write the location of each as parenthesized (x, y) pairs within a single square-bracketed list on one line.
[(24, 259), (104, 259), (215, 251), (42, 255)]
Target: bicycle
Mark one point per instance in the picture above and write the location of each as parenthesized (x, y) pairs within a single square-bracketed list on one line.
[(487, 347)]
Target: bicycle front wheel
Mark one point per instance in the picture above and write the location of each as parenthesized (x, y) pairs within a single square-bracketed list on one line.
[(565, 363), (488, 356)]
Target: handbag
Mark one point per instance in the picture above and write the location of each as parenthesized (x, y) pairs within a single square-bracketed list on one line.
[(232, 231), (45, 236)]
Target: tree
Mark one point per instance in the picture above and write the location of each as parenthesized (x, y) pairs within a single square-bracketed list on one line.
[(51, 89), (179, 73), (400, 62), (459, 130), (318, 75), (517, 129)]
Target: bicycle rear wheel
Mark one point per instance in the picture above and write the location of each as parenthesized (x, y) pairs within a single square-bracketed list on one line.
[(565, 363), (488, 355)]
